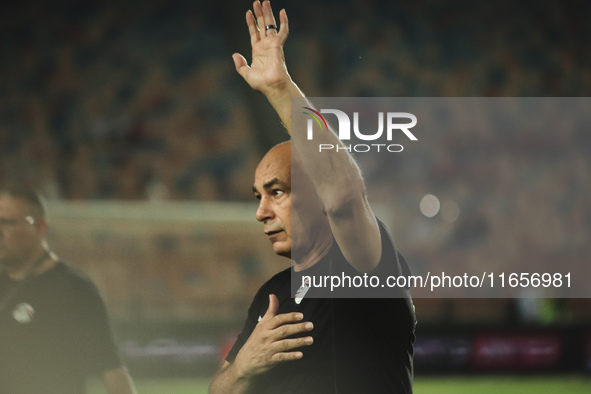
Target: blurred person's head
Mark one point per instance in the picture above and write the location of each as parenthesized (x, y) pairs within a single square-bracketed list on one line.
[(285, 212), (23, 226)]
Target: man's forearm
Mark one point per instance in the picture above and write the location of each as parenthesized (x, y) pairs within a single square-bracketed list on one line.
[(335, 176), (280, 100), (330, 172)]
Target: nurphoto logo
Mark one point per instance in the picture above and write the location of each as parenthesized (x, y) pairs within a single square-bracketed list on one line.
[(392, 121)]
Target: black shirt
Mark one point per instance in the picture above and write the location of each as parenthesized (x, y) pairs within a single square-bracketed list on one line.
[(361, 345), (54, 332)]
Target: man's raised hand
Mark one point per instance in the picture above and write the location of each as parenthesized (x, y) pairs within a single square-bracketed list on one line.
[(267, 72)]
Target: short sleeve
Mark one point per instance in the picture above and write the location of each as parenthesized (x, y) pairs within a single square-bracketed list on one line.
[(95, 339)]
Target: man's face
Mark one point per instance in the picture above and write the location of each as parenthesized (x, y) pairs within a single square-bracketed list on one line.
[(272, 187), (19, 236), (293, 221)]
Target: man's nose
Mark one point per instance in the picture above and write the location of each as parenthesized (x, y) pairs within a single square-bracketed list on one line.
[(264, 210)]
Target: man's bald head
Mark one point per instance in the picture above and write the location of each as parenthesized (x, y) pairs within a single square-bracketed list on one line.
[(278, 156)]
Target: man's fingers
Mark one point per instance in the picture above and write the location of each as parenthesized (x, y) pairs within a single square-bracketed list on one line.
[(268, 17), (281, 357), (252, 27), (240, 63), (273, 307), (258, 13), (288, 330), (273, 304), (284, 324), (273, 320), (293, 343), (284, 30)]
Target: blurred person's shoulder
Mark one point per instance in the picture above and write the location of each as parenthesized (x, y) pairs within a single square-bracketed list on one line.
[(72, 278)]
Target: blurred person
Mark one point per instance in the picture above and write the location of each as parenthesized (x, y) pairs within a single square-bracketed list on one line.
[(54, 328), (296, 342)]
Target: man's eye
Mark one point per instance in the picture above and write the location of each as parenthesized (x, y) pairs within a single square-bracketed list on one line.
[(257, 196), (277, 192)]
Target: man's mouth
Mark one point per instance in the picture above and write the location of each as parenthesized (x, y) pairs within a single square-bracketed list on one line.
[(271, 233)]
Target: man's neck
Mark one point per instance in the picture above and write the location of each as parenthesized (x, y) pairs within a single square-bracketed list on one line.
[(40, 262), (320, 250)]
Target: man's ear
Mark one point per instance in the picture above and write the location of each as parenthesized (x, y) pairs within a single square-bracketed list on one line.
[(41, 226)]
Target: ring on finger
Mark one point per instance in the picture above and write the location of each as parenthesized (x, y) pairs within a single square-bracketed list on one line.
[(269, 27)]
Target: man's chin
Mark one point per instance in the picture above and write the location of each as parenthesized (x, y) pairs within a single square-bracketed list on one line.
[(282, 250)]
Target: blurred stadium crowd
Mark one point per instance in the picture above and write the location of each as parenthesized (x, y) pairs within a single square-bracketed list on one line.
[(139, 100)]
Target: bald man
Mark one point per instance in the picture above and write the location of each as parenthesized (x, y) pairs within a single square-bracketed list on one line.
[(301, 341)]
